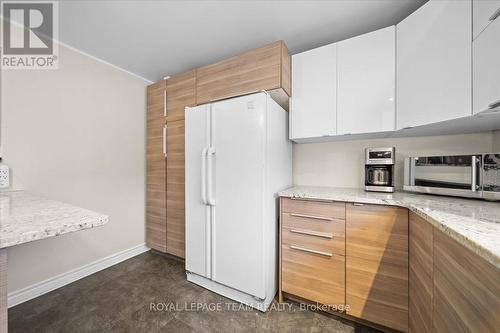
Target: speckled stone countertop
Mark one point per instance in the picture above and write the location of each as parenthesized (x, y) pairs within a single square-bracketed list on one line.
[(25, 217), (473, 223)]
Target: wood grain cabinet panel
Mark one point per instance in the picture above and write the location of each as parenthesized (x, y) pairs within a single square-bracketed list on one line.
[(315, 277), (312, 241), (420, 275), (466, 289), (377, 264), (175, 189), (181, 92), (314, 209), (265, 68), (156, 211)]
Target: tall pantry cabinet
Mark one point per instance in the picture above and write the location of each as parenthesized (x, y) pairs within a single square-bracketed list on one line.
[(165, 162), (156, 186)]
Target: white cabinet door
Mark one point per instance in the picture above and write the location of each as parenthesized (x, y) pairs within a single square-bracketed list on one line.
[(434, 62), (486, 73), (314, 93), (366, 82), (484, 12)]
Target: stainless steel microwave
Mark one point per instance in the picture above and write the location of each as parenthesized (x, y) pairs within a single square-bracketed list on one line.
[(471, 176)]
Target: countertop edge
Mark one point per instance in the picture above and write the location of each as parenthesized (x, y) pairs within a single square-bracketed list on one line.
[(470, 244), (29, 237)]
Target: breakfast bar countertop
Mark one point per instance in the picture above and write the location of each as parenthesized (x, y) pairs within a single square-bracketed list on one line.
[(26, 217), (473, 223)]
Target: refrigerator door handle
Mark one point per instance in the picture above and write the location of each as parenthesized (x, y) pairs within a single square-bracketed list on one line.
[(211, 158), (204, 176)]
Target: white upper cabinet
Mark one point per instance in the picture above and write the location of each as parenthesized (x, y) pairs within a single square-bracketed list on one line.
[(366, 67), (434, 63), (486, 70), (484, 12), (314, 93)]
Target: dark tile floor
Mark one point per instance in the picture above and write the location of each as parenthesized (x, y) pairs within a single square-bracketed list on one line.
[(119, 298)]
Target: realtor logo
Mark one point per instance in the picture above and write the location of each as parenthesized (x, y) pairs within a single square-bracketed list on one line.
[(28, 33)]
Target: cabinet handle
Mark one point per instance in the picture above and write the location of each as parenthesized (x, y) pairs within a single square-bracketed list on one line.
[(321, 253), (165, 134), (494, 105), (357, 204), (313, 217), (165, 103), (312, 233), (495, 15)]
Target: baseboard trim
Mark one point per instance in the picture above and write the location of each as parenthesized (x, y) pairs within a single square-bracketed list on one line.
[(25, 294)]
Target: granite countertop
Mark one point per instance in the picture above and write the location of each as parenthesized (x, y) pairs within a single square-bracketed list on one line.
[(473, 223), (25, 217)]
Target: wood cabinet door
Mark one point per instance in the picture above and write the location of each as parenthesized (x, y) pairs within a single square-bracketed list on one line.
[(180, 94), (466, 289), (313, 111), (156, 210), (377, 264), (434, 63), (420, 275), (366, 68), (265, 68)]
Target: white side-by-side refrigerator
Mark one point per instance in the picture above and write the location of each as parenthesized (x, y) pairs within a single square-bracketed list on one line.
[(238, 157)]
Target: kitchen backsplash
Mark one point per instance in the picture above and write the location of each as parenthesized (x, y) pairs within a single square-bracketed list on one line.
[(341, 163)]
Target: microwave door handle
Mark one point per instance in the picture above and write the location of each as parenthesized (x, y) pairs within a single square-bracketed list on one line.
[(474, 174)]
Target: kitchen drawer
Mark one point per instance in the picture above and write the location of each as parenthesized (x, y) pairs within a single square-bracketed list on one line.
[(314, 209), (318, 224), (315, 277), (329, 242)]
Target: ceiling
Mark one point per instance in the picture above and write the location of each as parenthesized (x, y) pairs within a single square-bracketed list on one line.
[(157, 38)]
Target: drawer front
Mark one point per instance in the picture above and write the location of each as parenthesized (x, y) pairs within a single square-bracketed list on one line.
[(316, 277), (327, 242), (314, 209), (319, 224)]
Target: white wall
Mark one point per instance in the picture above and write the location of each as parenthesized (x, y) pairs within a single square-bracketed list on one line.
[(342, 163), (76, 134)]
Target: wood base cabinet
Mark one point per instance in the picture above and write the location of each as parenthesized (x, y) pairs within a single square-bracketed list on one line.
[(421, 274), (377, 264), (312, 250), (452, 289)]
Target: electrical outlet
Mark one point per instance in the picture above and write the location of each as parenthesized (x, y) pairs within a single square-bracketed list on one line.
[(4, 176)]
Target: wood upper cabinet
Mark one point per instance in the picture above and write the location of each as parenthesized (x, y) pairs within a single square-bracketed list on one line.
[(265, 68), (377, 264), (434, 63), (486, 68), (180, 94), (156, 210), (421, 275), (466, 289), (313, 109), (366, 68)]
